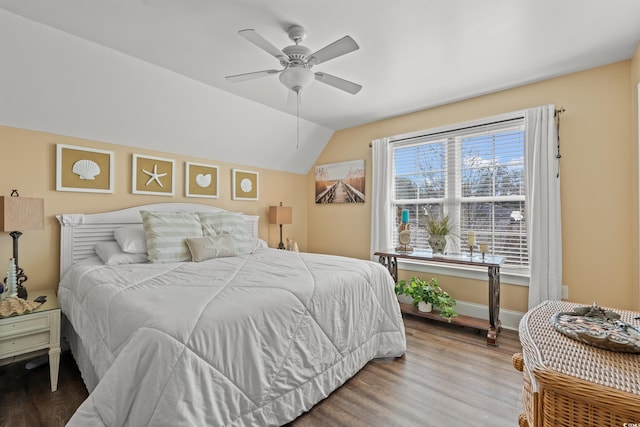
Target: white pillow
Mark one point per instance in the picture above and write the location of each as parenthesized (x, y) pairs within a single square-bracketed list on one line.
[(203, 248), (132, 239), (111, 254), (166, 233), (232, 223)]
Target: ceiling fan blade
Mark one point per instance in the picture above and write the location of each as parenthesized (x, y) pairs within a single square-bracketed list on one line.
[(263, 44), (249, 76), (337, 48), (339, 83)]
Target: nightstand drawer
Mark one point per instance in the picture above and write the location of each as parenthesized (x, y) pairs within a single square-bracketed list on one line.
[(22, 344), (16, 326)]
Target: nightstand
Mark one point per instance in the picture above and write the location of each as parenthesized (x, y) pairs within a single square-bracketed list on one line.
[(34, 331)]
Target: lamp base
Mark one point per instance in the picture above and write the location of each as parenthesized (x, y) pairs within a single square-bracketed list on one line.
[(22, 291), (281, 245)]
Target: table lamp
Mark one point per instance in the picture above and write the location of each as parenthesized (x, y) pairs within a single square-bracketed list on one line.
[(25, 214), (280, 215)]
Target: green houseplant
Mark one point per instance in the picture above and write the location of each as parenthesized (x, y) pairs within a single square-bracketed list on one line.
[(429, 292), (439, 226)]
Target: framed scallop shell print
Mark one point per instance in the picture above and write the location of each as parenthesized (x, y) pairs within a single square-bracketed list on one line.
[(83, 169), (244, 185), (200, 180)]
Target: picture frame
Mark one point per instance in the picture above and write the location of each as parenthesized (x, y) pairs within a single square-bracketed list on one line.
[(152, 175), (245, 185), (201, 180), (84, 169), (340, 182)]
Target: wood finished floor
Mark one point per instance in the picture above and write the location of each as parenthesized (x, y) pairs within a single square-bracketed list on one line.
[(448, 377)]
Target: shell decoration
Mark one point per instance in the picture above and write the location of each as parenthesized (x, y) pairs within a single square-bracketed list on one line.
[(17, 306), (203, 180), (86, 169)]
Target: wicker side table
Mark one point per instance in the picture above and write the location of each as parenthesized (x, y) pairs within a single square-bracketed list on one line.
[(568, 383)]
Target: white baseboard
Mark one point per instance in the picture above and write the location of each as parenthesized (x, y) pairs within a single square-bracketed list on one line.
[(510, 319)]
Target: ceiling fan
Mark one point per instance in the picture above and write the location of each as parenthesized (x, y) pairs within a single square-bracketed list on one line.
[(298, 60)]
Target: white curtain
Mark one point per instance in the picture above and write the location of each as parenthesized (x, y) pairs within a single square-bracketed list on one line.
[(543, 205), (381, 219)]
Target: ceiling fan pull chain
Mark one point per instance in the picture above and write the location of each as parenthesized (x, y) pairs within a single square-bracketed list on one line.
[(298, 119)]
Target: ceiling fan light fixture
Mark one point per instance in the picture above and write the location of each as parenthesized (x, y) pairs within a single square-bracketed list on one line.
[(296, 77)]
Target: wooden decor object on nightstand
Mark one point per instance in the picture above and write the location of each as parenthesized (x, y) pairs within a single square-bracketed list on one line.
[(34, 331), (569, 383)]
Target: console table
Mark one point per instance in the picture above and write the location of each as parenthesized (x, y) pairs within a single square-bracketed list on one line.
[(492, 263)]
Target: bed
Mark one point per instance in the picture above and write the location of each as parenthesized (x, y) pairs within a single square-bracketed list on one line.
[(232, 339)]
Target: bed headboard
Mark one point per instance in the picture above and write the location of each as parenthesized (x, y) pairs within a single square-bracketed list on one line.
[(80, 232)]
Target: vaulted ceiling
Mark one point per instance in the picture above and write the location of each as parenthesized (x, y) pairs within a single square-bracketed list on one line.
[(414, 54)]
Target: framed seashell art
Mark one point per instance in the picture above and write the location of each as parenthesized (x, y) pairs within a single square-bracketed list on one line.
[(244, 185), (200, 180), (83, 169), (152, 175)]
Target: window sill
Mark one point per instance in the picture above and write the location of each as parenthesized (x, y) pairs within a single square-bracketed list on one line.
[(477, 273)]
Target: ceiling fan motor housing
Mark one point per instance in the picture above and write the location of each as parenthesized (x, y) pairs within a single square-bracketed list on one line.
[(298, 55)]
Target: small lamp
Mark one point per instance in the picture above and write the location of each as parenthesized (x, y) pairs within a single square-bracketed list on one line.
[(280, 215), (20, 213)]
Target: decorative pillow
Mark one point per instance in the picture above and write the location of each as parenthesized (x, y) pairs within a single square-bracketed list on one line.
[(203, 248), (260, 244), (220, 223), (111, 254), (166, 233), (131, 238)]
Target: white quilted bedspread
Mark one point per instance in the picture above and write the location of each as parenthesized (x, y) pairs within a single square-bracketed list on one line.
[(251, 340)]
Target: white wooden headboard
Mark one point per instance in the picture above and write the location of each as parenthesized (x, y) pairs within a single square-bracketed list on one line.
[(80, 232)]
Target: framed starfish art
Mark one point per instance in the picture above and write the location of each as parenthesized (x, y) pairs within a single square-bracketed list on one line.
[(152, 175)]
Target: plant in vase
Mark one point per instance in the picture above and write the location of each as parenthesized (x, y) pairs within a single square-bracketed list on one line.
[(439, 229), (429, 293)]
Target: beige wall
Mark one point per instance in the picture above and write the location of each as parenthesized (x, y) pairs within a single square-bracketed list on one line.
[(27, 162), (635, 141), (597, 172)]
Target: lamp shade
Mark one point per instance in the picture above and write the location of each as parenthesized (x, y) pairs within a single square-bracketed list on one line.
[(280, 214), (21, 213)]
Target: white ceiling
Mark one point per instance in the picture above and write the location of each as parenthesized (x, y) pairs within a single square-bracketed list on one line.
[(414, 54)]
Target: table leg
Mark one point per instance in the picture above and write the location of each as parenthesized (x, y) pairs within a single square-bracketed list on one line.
[(54, 367), (391, 264), (494, 305)]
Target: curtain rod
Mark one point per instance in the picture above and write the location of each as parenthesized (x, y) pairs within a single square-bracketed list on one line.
[(456, 129), (557, 112)]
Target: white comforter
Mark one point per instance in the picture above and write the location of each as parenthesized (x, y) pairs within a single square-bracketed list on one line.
[(251, 340)]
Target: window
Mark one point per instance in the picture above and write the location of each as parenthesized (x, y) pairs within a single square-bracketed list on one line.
[(473, 173)]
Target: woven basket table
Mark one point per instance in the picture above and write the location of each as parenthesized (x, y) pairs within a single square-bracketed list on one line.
[(569, 383)]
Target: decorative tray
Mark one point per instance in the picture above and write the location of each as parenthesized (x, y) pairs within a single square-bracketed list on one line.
[(599, 328), (16, 306)]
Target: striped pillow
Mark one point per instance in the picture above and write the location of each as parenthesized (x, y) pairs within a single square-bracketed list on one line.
[(166, 233), (232, 223)]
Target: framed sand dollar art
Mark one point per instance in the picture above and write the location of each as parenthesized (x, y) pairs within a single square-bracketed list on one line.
[(244, 185)]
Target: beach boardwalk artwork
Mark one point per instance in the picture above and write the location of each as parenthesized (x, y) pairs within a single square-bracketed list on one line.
[(340, 182)]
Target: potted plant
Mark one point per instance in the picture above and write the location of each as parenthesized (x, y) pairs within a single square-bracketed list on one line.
[(429, 293), (439, 229)]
